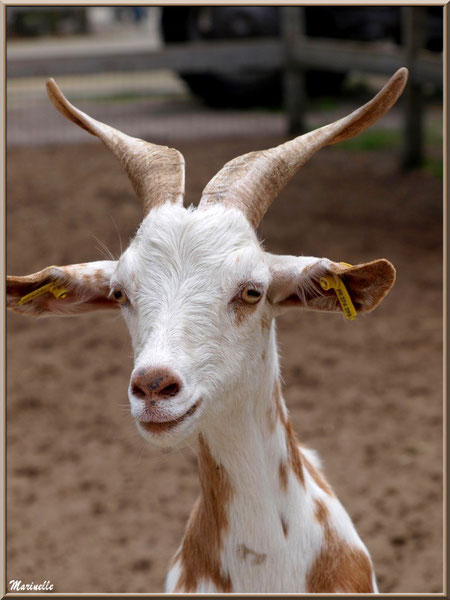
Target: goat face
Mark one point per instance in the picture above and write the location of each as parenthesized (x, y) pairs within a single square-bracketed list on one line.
[(194, 291)]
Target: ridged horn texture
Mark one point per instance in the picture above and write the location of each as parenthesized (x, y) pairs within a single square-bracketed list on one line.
[(156, 172), (252, 181)]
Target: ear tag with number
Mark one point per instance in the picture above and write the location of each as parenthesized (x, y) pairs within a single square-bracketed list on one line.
[(335, 282), (59, 291)]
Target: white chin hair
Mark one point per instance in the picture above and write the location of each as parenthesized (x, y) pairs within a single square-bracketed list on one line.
[(176, 436)]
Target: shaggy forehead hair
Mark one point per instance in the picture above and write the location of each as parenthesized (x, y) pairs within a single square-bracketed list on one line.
[(177, 243)]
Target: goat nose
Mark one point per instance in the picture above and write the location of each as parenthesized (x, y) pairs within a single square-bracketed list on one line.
[(155, 384)]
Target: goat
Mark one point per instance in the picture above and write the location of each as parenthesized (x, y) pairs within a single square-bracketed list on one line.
[(200, 295)]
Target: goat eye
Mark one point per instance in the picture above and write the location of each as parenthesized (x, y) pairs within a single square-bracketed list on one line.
[(120, 296), (251, 295)]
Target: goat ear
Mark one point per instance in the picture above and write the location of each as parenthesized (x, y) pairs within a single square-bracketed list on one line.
[(62, 291), (296, 283)]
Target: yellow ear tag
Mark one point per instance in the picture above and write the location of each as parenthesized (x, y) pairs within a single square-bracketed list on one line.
[(336, 283), (59, 291)]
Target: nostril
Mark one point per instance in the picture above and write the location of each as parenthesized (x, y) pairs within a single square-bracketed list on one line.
[(155, 384), (170, 390), (137, 391)]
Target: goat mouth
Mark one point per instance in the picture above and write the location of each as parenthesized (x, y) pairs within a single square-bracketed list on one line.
[(159, 427)]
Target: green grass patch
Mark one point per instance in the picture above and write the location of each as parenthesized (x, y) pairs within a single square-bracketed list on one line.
[(324, 103), (434, 138), (378, 139), (382, 139), (435, 167)]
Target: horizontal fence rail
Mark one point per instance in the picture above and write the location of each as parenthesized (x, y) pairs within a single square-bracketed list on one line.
[(216, 56), (370, 58)]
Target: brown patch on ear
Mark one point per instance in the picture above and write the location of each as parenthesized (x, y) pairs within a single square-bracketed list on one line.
[(340, 567), (367, 283), (24, 284), (199, 555), (84, 292), (96, 280), (18, 287), (317, 476), (99, 277)]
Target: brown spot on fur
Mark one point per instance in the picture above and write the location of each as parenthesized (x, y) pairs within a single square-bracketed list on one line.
[(271, 418), (321, 513), (317, 476), (340, 567), (263, 355), (22, 285), (199, 555), (99, 277), (283, 475), (275, 410), (265, 323), (278, 402), (295, 458), (284, 526), (243, 551), (242, 311)]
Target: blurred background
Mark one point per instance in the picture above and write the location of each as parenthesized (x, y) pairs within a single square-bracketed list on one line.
[(90, 505)]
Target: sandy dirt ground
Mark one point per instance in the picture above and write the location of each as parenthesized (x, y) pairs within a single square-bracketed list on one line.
[(91, 506)]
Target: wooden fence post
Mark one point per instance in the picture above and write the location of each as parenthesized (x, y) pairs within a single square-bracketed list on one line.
[(292, 22), (414, 21)]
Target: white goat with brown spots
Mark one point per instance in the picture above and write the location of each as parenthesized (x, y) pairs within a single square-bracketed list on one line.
[(200, 297)]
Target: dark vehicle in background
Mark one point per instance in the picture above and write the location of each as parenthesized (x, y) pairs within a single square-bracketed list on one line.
[(264, 87), (31, 21)]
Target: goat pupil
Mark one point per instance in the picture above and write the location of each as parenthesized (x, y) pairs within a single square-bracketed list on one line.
[(254, 293), (117, 295)]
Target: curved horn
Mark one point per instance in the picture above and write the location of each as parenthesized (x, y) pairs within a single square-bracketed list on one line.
[(156, 172), (252, 181)]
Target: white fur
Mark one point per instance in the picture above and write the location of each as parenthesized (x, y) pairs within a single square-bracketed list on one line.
[(181, 273)]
